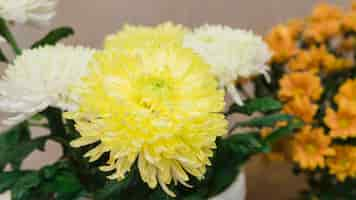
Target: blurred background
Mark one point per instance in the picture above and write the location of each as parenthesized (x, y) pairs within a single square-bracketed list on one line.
[(95, 19)]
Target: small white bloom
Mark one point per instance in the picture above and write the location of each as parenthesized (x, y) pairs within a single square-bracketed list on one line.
[(40, 78), (34, 12), (232, 53)]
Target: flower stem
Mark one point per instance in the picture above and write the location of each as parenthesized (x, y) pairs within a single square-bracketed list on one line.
[(6, 33)]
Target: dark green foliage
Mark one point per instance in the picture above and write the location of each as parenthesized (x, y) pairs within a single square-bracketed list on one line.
[(8, 179), (16, 145), (112, 189), (54, 36), (55, 181), (326, 187), (284, 131), (263, 88), (264, 105), (268, 120)]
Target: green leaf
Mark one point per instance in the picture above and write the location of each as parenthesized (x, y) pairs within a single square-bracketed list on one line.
[(55, 121), (54, 36), (159, 194), (113, 188), (16, 145), (223, 178), (63, 183), (269, 120), (8, 179), (284, 131), (247, 144), (18, 153), (194, 196), (49, 172), (7, 35), (22, 188), (264, 104), (224, 169), (12, 140)]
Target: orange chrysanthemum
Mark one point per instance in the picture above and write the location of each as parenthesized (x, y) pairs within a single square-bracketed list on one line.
[(318, 58), (305, 60), (325, 11), (353, 5), (325, 23), (342, 124), (300, 84), (321, 31), (343, 164), (282, 43), (310, 147), (347, 44), (301, 107), (296, 27), (346, 97), (349, 22)]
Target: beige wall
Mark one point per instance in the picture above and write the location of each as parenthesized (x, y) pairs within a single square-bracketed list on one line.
[(93, 19)]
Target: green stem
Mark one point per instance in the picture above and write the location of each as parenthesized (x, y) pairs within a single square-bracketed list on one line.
[(13, 44), (6, 33), (55, 121)]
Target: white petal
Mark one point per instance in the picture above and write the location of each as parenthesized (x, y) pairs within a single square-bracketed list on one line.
[(234, 94)]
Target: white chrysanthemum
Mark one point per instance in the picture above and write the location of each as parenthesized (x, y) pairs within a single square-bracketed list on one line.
[(34, 12), (40, 78), (232, 53)]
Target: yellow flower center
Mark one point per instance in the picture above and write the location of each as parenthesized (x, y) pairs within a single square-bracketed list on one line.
[(299, 92), (154, 92), (207, 39), (310, 148), (344, 123)]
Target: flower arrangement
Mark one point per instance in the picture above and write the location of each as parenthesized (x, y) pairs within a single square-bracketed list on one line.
[(313, 70), (142, 118)]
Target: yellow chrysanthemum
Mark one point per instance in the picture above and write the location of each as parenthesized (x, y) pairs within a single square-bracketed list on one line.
[(343, 164), (310, 147), (160, 107), (137, 37)]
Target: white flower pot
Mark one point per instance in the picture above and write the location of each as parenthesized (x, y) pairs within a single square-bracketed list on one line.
[(5, 196), (237, 191)]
